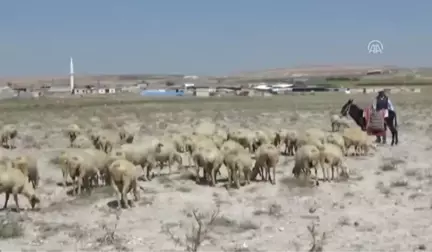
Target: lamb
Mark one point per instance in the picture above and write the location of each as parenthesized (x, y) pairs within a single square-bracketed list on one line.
[(72, 131), (8, 133), (332, 155), (124, 178), (15, 182), (338, 140), (28, 166), (236, 164), (81, 166), (267, 156), (306, 158), (211, 159), (262, 137)]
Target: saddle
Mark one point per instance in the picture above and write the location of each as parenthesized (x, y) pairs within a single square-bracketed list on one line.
[(375, 120)]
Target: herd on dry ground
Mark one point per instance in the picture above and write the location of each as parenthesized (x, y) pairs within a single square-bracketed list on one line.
[(99, 157)]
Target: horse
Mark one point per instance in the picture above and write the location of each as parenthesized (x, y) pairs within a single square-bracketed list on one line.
[(356, 114)]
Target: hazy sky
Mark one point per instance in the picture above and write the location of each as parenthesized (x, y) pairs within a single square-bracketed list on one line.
[(208, 37)]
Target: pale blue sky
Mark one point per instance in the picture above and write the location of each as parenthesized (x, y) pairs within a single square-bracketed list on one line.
[(207, 37)]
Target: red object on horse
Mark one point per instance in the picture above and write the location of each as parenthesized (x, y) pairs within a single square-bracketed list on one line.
[(371, 131)]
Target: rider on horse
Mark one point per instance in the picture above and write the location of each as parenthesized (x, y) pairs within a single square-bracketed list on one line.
[(382, 102)]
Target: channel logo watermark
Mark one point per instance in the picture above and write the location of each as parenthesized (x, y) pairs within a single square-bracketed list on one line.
[(375, 47)]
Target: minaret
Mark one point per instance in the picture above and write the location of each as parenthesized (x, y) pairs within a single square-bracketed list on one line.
[(71, 76)]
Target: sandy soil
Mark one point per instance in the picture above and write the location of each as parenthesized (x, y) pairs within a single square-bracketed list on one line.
[(384, 206)]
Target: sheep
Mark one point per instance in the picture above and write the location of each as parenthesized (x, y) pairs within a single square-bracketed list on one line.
[(193, 142), (141, 154), (337, 121), (126, 136), (72, 131), (290, 140), (267, 156), (61, 159), (306, 158), (102, 161), (82, 142), (244, 137), (357, 138), (311, 136), (179, 142), (332, 155), (232, 146), (82, 166), (13, 181), (211, 159), (124, 175), (262, 137), (237, 163), (8, 133), (104, 139), (28, 166), (167, 153), (338, 140)]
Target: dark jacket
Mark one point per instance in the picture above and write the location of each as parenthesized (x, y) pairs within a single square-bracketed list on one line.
[(381, 103)]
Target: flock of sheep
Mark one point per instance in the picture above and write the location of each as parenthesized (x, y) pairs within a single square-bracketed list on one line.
[(100, 157)]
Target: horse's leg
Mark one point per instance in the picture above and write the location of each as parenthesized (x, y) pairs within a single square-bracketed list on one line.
[(393, 131), (385, 131)]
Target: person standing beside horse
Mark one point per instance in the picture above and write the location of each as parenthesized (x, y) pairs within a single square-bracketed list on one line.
[(382, 104)]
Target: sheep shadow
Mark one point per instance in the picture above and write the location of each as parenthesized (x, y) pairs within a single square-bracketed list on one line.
[(60, 184), (113, 204), (86, 197), (7, 146)]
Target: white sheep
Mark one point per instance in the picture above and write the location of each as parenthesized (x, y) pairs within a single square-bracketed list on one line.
[(72, 131), (306, 158), (337, 139), (101, 161), (244, 137), (312, 136), (126, 136), (337, 121), (357, 138), (237, 163), (141, 154), (28, 166), (8, 133), (332, 155), (267, 157), (210, 159), (167, 153), (290, 140), (83, 168), (13, 181), (124, 175)]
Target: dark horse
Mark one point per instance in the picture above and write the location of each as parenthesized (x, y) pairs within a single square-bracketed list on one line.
[(356, 113)]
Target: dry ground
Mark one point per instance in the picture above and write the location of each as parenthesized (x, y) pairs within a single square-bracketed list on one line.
[(384, 206)]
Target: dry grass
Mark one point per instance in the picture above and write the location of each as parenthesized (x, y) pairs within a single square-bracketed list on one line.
[(385, 205)]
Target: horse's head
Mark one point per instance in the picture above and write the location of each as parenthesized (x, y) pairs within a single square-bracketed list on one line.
[(346, 107)]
